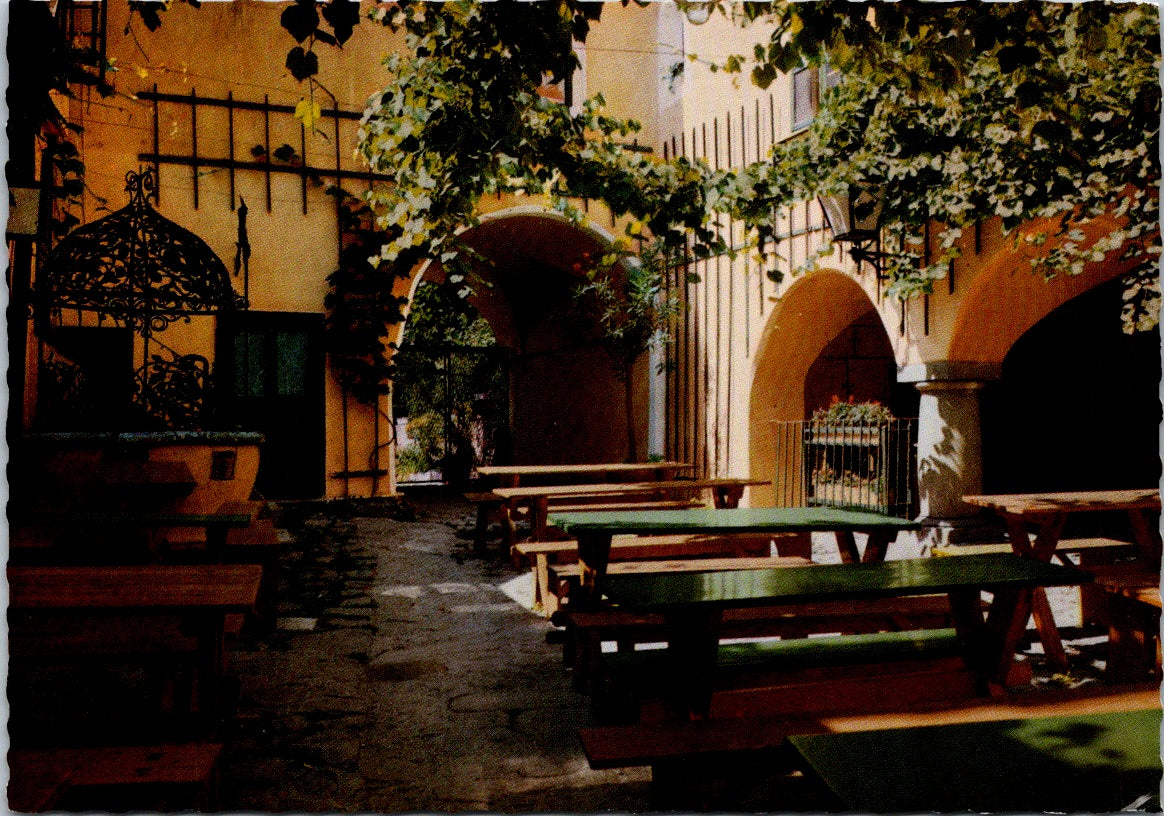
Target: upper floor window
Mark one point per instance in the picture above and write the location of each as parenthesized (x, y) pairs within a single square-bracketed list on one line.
[(807, 86), (805, 96)]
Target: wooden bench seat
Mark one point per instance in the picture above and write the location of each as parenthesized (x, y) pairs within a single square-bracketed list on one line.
[(586, 631), (541, 554), (1089, 546), (801, 674), (43, 779), (648, 743), (1092, 552), (1132, 598), (560, 578)]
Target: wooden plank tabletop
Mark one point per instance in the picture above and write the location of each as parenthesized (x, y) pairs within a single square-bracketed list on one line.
[(1079, 502), (222, 587), (642, 743), (832, 582), (734, 520), (538, 491), (606, 467), (1092, 762), (233, 517)]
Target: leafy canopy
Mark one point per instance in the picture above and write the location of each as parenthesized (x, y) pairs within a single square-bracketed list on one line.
[(1045, 115)]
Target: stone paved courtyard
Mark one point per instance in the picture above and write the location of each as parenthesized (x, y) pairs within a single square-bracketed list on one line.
[(398, 672), (401, 677)]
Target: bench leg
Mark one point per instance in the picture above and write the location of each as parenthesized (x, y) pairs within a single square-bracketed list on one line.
[(1048, 633), (1134, 641), (481, 531), (693, 646)]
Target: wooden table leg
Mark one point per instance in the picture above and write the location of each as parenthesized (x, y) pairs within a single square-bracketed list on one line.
[(877, 546), (1005, 623), (508, 525), (847, 545), (539, 513), (692, 648), (209, 671), (1047, 538), (593, 556), (966, 609), (1147, 536)]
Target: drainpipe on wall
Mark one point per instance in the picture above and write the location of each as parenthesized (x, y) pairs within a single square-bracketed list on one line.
[(656, 403)]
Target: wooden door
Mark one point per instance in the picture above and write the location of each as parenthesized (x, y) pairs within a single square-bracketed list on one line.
[(271, 370)]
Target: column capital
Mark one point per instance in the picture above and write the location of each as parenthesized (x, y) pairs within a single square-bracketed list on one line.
[(949, 385), (949, 371)]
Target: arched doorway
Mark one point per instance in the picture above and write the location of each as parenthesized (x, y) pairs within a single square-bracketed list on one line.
[(1077, 406), (564, 396), (824, 339)]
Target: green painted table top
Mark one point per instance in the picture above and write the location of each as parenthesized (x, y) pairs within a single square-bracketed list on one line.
[(737, 520), (1098, 763), (829, 582)]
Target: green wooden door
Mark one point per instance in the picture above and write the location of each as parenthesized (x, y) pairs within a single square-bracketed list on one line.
[(271, 370)]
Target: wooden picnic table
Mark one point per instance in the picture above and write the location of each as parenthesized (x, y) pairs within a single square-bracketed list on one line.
[(230, 515), (512, 475), (200, 595), (693, 604), (1047, 514), (1083, 762), (726, 493), (595, 530)]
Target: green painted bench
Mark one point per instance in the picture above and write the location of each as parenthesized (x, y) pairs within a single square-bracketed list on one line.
[(796, 675)]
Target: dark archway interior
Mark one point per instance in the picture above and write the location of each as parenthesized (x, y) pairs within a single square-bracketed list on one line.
[(859, 363), (566, 403), (1077, 407)]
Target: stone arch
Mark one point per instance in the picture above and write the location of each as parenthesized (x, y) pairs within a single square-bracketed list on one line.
[(1077, 404), (1005, 299), (565, 400), (814, 311)]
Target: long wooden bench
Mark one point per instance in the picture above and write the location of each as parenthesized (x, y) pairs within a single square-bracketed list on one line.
[(587, 631), (62, 613), (45, 779), (561, 577), (799, 674), (1091, 552), (649, 743), (1087, 548), (1132, 596), (540, 555)]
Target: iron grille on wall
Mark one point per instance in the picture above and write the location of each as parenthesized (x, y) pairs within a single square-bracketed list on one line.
[(861, 467)]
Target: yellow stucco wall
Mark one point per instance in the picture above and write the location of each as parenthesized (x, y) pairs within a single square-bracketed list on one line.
[(748, 342), (741, 349)]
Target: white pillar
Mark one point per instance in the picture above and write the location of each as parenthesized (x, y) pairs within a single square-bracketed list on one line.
[(949, 459)]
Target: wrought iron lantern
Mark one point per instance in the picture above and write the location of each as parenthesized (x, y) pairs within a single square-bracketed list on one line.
[(855, 218), (142, 271)]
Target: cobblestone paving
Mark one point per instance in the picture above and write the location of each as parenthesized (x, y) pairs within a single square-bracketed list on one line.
[(398, 676)]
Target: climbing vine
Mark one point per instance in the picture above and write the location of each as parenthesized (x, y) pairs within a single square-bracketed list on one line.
[(1045, 115)]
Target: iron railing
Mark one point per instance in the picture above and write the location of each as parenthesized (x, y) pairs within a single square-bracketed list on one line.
[(861, 467)]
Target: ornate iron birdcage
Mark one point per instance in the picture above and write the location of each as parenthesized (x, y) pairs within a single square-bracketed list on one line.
[(143, 272)]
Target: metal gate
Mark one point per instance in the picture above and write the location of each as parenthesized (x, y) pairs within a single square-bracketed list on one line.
[(451, 405)]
